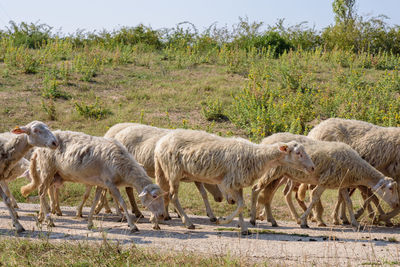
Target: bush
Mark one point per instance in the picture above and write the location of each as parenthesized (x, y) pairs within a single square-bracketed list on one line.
[(94, 111), (31, 35)]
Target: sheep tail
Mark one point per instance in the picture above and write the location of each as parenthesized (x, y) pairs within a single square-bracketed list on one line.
[(301, 193), (35, 179)]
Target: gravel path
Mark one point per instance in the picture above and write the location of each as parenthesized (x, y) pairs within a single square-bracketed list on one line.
[(287, 244)]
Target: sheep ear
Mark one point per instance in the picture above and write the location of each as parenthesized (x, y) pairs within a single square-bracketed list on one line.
[(20, 130), (283, 148)]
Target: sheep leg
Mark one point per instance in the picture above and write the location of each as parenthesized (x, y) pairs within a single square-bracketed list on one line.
[(319, 210), (266, 198), (238, 196), (95, 201), (203, 194), (131, 197), (44, 212), (315, 196), (12, 212), (117, 196), (271, 190), (343, 216), (107, 208), (6, 190), (54, 200), (289, 202), (255, 191), (345, 194), (85, 197), (175, 200)]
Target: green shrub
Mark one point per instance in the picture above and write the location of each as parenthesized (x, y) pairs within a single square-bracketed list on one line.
[(94, 111), (213, 111)]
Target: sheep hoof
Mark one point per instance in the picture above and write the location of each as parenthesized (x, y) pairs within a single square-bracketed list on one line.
[(15, 206), (213, 219), (218, 199), (345, 222), (59, 213), (106, 211), (274, 224), (78, 216), (389, 223), (121, 219), (156, 227), (245, 232), (191, 226), (134, 229), (322, 224), (19, 228), (167, 218), (253, 222), (51, 224), (139, 215), (358, 227), (304, 226)]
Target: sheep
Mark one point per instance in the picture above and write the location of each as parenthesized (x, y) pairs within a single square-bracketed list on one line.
[(380, 146), (20, 169), (96, 161), (140, 141), (12, 151), (234, 163), (337, 166)]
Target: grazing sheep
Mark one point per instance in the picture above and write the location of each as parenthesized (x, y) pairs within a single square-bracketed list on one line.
[(95, 161), (232, 162), (380, 146), (140, 140), (337, 166), (12, 151)]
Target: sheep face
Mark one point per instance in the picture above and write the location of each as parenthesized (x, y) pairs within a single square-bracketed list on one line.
[(387, 189), (152, 198), (296, 157), (38, 134)]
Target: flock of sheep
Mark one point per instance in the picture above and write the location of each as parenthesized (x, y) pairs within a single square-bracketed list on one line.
[(337, 154)]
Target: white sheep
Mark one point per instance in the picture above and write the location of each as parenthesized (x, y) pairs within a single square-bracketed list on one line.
[(337, 166), (140, 140), (232, 162), (20, 169), (95, 161), (380, 146), (12, 150)]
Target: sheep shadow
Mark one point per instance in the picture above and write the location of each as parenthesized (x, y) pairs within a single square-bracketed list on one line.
[(108, 227)]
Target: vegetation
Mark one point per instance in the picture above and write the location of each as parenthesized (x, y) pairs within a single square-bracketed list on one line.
[(248, 81), (14, 252)]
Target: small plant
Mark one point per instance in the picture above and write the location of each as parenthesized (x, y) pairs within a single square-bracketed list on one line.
[(213, 111), (50, 90), (94, 111), (50, 109)]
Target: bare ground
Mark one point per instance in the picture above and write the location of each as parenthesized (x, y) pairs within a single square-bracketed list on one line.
[(286, 245)]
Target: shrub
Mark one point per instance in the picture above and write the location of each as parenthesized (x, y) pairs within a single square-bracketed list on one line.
[(94, 111)]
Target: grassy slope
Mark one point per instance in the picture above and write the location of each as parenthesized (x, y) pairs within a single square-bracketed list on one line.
[(157, 92)]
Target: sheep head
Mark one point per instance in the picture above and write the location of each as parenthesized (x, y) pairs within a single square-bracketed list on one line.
[(387, 189), (152, 198), (38, 134), (296, 157)]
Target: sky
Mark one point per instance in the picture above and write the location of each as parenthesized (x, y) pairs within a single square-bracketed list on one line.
[(68, 16)]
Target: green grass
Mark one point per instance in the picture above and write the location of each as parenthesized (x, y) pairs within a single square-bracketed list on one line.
[(20, 252)]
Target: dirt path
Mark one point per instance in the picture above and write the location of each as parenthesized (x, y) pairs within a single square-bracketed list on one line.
[(287, 244)]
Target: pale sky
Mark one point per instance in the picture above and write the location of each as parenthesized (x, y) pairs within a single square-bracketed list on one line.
[(112, 14)]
